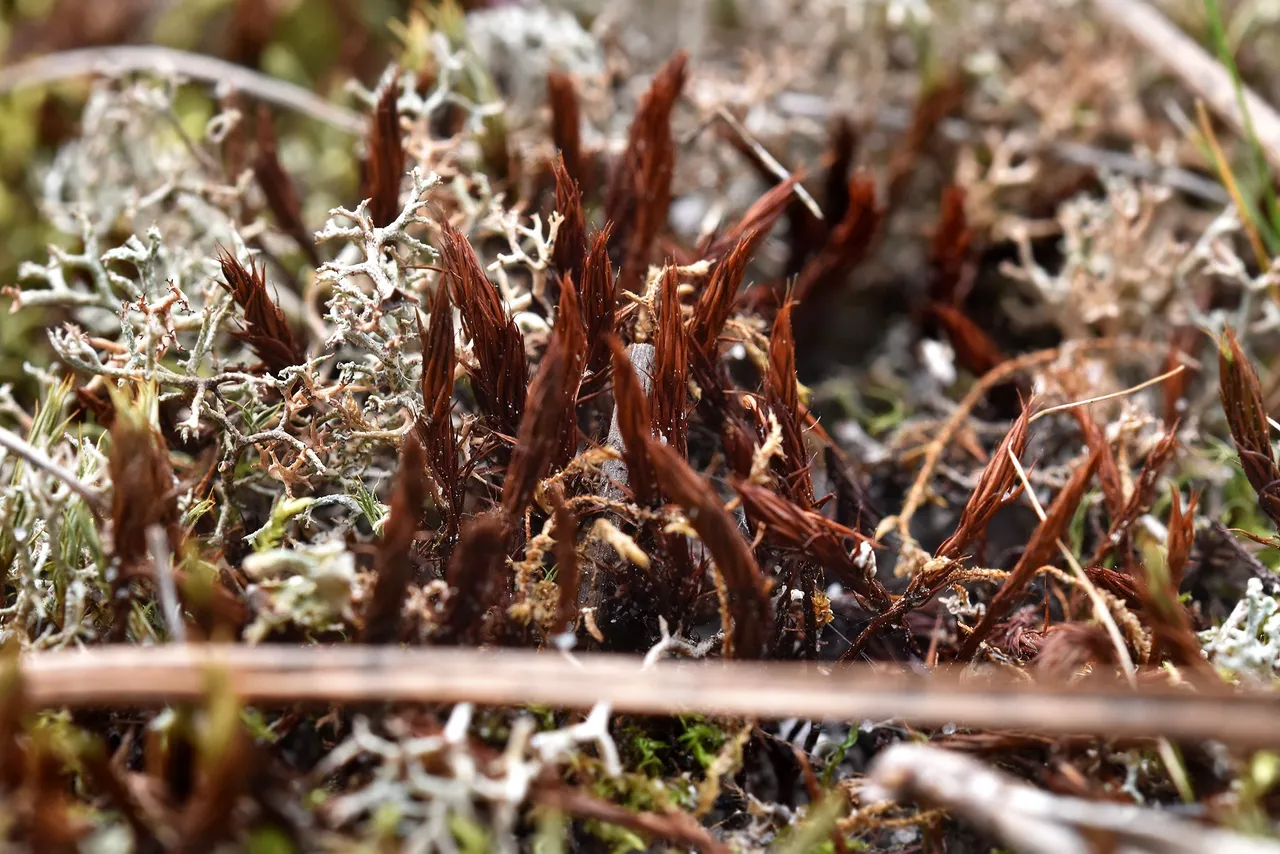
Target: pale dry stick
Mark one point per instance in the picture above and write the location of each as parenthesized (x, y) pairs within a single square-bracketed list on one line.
[(167, 590), (1103, 614), (20, 447), (901, 523), (1033, 821), (123, 59), (1198, 71), (1112, 396), (279, 675), (614, 470), (779, 171)]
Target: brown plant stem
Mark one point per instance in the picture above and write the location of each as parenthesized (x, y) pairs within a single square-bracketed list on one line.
[(126, 677)]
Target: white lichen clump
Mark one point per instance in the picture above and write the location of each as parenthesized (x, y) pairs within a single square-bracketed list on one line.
[(1247, 644)]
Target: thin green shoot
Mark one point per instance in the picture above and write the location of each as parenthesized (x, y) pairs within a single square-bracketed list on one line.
[(1262, 172)]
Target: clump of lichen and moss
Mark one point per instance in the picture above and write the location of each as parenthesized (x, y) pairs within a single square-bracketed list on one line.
[(813, 341)]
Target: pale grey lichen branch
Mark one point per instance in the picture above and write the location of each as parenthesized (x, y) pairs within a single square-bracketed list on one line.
[(1247, 644), (522, 239), (19, 447)]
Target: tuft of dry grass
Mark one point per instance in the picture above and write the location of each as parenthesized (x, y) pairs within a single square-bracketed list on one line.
[(477, 578), (569, 252), (746, 590), (949, 263), (715, 301), (548, 434), (566, 128), (667, 397), (435, 427), (278, 188), (143, 495), (1039, 551), (846, 245), (599, 305), (997, 486)]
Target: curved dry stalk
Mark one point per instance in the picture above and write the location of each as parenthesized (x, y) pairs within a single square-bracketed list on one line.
[(1063, 407), (123, 59)]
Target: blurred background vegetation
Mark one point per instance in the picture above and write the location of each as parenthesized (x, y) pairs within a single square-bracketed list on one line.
[(323, 44), (318, 44)]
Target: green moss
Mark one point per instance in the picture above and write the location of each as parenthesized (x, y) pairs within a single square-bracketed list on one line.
[(1240, 507), (702, 739), (374, 510), (258, 726), (385, 821), (552, 831), (814, 831), (269, 839), (619, 839), (887, 409), (544, 715), (647, 755), (57, 733), (833, 762), (272, 534), (471, 836)]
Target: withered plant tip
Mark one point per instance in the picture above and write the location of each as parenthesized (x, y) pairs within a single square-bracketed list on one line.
[(385, 163), (1247, 417), (265, 329), (393, 568), (500, 378), (639, 193)]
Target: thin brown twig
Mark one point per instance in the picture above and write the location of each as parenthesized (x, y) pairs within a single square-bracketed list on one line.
[(676, 826), (1063, 407)]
